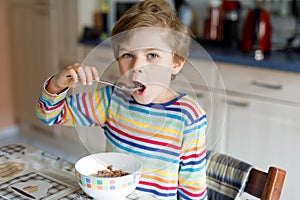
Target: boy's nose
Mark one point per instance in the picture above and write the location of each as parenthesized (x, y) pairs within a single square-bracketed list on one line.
[(137, 65)]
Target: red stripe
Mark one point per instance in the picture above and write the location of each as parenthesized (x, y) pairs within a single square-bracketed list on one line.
[(192, 194), (193, 156), (189, 106), (157, 186), (142, 139), (85, 105), (54, 107)]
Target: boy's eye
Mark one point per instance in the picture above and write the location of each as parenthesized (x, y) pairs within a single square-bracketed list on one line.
[(127, 55), (152, 55)]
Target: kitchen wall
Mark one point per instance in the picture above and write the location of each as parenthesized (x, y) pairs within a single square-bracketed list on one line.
[(7, 114)]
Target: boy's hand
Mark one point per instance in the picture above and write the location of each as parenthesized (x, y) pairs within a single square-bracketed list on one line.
[(69, 77)]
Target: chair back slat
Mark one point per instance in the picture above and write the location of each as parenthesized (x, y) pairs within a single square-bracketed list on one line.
[(266, 186)]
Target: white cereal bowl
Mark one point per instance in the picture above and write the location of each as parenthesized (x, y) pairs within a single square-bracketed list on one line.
[(115, 188)]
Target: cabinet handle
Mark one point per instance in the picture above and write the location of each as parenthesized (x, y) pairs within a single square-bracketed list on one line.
[(235, 102), (267, 84)]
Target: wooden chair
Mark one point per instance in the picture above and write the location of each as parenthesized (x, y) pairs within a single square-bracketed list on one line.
[(228, 178), (265, 185)]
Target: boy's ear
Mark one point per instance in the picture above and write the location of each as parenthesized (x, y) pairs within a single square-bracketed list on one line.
[(177, 66)]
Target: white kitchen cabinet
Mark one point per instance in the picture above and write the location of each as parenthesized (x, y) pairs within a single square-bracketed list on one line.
[(266, 133), (262, 120)]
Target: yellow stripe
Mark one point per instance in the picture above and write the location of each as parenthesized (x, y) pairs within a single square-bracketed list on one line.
[(200, 182), (158, 179), (142, 125), (97, 98), (145, 133), (162, 173), (71, 118), (91, 102), (196, 148), (53, 113)]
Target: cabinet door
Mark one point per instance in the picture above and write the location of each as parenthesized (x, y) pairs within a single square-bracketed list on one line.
[(34, 54), (266, 133)]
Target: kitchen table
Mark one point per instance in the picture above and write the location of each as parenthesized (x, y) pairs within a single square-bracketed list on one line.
[(30, 173)]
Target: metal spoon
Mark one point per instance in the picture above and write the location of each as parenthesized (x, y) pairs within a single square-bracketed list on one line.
[(120, 87)]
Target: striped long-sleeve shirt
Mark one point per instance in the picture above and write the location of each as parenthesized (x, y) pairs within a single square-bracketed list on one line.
[(169, 138)]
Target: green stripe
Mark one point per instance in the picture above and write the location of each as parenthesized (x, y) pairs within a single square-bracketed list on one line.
[(137, 117)]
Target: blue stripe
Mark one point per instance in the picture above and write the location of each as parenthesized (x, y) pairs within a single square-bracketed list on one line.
[(200, 119), (77, 112), (136, 145), (193, 162), (180, 110), (107, 133), (183, 196), (149, 112), (192, 169), (198, 127)]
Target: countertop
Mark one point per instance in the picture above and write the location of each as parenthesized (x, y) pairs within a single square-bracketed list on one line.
[(285, 60), (277, 60)]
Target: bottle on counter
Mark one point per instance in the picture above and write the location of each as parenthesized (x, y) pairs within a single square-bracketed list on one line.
[(101, 18), (188, 16), (213, 24)]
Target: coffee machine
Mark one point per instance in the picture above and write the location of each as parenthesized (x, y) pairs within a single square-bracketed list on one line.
[(256, 33)]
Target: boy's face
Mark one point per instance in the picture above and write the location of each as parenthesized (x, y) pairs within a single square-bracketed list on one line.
[(145, 59)]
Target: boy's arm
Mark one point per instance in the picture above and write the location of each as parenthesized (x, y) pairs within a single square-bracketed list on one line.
[(192, 174), (62, 109)]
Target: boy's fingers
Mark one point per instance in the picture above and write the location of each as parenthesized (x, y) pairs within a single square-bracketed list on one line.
[(82, 75), (95, 73), (86, 73), (73, 74), (89, 74)]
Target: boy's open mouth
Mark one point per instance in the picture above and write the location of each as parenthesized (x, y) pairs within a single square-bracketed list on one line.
[(140, 85)]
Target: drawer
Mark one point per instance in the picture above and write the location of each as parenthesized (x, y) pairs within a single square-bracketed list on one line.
[(265, 83)]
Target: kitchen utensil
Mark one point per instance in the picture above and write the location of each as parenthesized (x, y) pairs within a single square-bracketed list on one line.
[(117, 86), (231, 20), (256, 35), (108, 188)]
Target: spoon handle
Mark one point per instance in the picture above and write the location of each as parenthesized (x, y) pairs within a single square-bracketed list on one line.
[(123, 87)]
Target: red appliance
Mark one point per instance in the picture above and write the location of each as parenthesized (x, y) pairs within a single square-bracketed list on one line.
[(256, 33)]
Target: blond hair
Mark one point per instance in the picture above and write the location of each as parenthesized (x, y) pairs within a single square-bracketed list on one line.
[(155, 13)]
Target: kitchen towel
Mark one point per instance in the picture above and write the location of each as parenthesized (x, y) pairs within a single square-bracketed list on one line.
[(226, 176)]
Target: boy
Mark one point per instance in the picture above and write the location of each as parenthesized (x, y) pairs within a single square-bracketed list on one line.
[(166, 129)]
